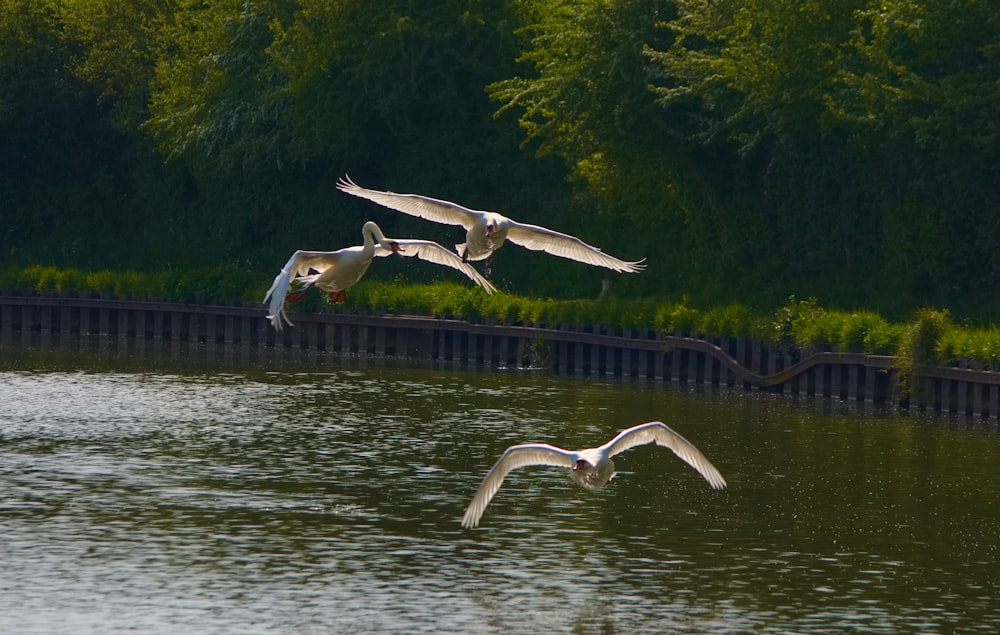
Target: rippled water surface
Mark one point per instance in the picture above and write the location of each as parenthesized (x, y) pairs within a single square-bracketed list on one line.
[(185, 493)]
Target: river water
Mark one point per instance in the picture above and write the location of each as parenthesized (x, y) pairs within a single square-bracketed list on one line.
[(191, 492)]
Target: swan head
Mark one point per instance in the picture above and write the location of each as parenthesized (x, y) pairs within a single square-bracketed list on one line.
[(394, 246), (490, 228), (582, 465)]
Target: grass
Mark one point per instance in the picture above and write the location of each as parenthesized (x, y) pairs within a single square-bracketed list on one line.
[(931, 338), (205, 286)]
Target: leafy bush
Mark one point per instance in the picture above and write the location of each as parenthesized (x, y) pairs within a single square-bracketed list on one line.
[(675, 318), (979, 345), (732, 320), (918, 349)]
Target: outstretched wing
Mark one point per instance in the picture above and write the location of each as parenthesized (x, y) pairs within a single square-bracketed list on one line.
[(298, 265), (556, 243), (432, 252), (658, 432), (516, 456), (425, 207)]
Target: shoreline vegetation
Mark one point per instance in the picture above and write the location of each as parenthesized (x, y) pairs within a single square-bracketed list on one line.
[(838, 149), (931, 337)]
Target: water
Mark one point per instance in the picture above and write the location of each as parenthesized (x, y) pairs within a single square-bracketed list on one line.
[(312, 494)]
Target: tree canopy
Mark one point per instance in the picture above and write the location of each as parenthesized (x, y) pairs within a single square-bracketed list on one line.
[(750, 150)]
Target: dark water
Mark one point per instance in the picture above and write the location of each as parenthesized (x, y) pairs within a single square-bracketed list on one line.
[(193, 493)]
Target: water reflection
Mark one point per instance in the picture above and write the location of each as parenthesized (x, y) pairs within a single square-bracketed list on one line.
[(316, 494)]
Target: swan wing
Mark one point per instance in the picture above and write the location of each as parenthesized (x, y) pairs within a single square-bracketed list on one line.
[(516, 456), (298, 265), (276, 294), (539, 238), (319, 261), (658, 432), (432, 209), (433, 252)]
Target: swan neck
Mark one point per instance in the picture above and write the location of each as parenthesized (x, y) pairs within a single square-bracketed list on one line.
[(372, 234)]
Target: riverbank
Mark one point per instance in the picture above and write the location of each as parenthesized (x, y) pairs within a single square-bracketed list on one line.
[(572, 350)]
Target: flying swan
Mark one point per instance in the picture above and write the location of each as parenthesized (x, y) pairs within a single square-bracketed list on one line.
[(335, 271), (592, 468), (487, 231)]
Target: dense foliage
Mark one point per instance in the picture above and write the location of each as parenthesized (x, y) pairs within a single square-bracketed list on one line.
[(845, 149)]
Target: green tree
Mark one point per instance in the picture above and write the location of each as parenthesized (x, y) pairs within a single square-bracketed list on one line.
[(210, 102), (922, 96), (756, 149), (114, 44), (583, 96), (55, 146)]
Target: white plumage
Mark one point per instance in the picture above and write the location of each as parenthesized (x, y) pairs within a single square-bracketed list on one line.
[(335, 271), (591, 468), (487, 231)]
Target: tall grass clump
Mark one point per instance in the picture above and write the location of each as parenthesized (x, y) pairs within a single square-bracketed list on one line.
[(207, 285), (498, 307), (733, 320), (807, 326), (919, 349), (45, 279), (980, 346), (676, 317), (793, 324), (636, 314)]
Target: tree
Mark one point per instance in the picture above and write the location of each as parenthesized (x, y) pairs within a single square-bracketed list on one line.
[(53, 138), (211, 94), (114, 45)]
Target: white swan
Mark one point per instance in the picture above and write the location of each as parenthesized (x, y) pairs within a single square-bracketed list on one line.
[(338, 270), (591, 468), (487, 231)]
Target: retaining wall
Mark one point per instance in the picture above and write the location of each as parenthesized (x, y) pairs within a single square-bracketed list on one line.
[(574, 351)]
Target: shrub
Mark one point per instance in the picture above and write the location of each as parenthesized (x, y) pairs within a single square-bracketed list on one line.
[(101, 283), (675, 317), (981, 346), (918, 349), (734, 320)]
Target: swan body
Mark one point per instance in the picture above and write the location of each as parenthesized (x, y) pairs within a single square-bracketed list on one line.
[(338, 270), (591, 468), (487, 231)]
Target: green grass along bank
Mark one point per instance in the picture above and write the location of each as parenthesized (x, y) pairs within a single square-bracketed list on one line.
[(932, 337)]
